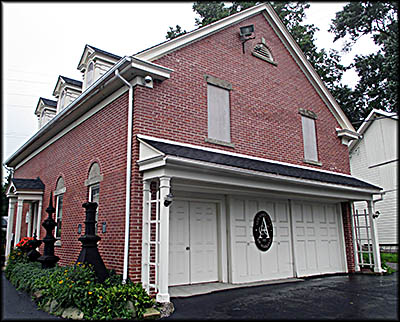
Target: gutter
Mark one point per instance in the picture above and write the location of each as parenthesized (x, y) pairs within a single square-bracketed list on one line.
[(87, 94), (128, 175)]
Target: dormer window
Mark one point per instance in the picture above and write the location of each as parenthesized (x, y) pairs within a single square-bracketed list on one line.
[(90, 75), (95, 63)]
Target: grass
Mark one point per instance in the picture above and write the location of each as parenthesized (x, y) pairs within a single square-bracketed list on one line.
[(390, 257)]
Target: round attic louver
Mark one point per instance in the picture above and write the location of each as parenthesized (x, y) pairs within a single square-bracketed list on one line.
[(261, 51)]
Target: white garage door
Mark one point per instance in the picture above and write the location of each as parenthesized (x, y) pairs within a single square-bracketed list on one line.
[(249, 264), (193, 254), (318, 240)]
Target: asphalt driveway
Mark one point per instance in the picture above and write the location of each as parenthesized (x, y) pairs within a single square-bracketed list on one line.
[(358, 297)]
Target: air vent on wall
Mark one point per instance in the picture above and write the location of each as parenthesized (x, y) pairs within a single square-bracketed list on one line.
[(262, 51)]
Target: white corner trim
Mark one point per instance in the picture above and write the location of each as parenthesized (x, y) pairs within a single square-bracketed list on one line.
[(73, 125), (141, 136)]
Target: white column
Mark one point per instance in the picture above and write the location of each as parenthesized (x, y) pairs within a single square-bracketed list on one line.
[(163, 295), (34, 216), (374, 237), (145, 235), (11, 208), (18, 221), (353, 232), (39, 219), (29, 220)]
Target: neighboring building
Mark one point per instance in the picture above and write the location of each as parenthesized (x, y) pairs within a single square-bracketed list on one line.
[(374, 158), (212, 156)]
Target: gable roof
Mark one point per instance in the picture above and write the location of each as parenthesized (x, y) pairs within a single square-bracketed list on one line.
[(372, 116), (96, 50), (29, 184), (47, 102), (270, 15), (267, 166), (68, 81)]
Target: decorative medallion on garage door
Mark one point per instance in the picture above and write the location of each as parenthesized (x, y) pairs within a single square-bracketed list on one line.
[(262, 231)]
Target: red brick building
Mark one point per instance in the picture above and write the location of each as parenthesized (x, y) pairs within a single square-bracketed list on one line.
[(216, 156)]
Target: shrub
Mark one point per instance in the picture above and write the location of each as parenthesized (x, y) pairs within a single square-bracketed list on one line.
[(76, 286)]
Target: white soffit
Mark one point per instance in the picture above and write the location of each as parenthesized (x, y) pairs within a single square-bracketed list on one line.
[(270, 15)]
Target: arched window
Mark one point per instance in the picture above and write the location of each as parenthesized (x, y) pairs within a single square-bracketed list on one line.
[(59, 194), (89, 75), (93, 183)]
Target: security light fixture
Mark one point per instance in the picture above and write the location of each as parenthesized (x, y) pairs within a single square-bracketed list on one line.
[(168, 199), (246, 31), (245, 34)]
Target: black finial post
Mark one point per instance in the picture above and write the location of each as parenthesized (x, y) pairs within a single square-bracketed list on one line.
[(90, 253), (48, 259)]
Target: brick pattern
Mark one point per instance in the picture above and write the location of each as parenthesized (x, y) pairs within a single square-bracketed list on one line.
[(265, 122), (348, 236), (102, 139)]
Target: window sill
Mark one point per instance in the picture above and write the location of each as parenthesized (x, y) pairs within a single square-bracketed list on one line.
[(312, 162), (223, 143)]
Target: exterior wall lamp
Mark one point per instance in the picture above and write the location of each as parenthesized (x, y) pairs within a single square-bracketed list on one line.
[(168, 199), (245, 34)]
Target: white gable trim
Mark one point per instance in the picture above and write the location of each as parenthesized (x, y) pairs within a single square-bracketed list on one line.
[(271, 16)]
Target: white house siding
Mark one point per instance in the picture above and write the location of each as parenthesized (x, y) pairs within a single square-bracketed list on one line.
[(375, 160)]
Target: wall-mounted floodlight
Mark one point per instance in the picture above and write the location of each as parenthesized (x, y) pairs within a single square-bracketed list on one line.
[(246, 31), (245, 34), (168, 199)]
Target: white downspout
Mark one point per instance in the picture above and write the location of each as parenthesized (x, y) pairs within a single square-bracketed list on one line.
[(128, 176)]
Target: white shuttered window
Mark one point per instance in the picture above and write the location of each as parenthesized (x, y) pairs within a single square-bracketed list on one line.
[(309, 139), (218, 113)]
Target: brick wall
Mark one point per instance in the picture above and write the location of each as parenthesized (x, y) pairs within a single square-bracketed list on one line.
[(348, 236), (102, 139), (264, 101)]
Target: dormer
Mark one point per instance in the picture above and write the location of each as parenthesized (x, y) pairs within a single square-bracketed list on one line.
[(95, 63), (66, 91), (45, 110)]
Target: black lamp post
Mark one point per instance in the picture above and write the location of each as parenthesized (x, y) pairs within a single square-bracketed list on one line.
[(89, 253), (48, 259)]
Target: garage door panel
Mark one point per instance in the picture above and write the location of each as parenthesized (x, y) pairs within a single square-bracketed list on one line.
[(271, 264), (322, 239)]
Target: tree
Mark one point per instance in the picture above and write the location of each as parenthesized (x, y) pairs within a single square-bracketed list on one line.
[(173, 33), (378, 72)]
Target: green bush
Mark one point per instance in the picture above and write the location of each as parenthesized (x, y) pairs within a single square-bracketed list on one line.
[(76, 286)]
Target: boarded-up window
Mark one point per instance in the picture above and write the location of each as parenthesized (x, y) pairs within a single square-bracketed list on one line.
[(309, 139), (218, 113)]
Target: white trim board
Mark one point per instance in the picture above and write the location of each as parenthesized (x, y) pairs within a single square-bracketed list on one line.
[(74, 124)]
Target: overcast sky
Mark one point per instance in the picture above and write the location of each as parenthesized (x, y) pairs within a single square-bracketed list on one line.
[(44, 40)]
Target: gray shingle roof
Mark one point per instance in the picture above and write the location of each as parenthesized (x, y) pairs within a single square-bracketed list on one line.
[(49, 102), (105, 52), (72, 81), (31, 184), (257, 165)]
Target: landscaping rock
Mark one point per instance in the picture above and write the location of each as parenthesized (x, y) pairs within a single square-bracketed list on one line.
[(38, 295), (54, 306), (72, 313), (151, 313), (166, 309), (130, 306), (46, 307)]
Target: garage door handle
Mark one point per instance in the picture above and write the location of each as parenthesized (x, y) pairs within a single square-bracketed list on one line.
[(187, 248)]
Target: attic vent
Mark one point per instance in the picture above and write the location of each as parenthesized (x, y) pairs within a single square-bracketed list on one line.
[(261, 51)]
